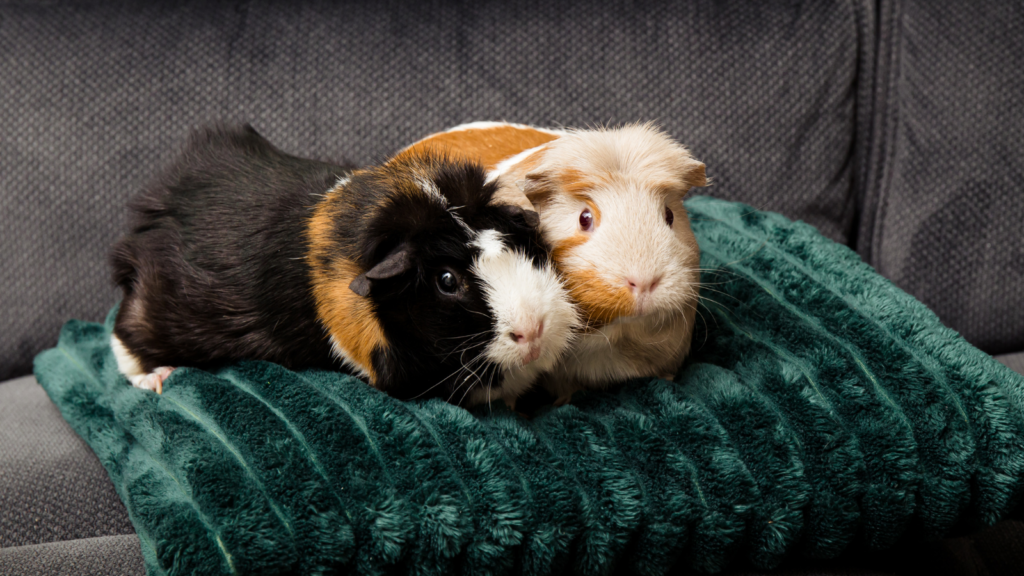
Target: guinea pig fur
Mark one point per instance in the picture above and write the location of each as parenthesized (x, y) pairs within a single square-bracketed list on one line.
[(610, 204), (405, 273)]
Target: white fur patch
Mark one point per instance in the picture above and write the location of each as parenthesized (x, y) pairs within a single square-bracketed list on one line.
[(127, 363), (490, 244), (130, 366), (484, 125), (429, 187), (340, 354), (520, 297), (507, 163)]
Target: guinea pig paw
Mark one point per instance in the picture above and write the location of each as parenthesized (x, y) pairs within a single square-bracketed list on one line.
[(154, 381)]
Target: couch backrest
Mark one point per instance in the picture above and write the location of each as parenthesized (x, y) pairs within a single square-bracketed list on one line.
[(944, 196), (776, 97)]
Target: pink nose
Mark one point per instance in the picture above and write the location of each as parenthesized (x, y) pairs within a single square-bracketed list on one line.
[(528, 334), (640, 286), (528, 338)]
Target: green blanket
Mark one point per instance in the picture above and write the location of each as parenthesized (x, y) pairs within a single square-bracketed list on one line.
[(821, 406)]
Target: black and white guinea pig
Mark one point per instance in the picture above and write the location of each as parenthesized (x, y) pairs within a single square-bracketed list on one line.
[(610, 202), (404, 273)]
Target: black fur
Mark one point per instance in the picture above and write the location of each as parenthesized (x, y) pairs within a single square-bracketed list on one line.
[(432, 337), (215, 268)]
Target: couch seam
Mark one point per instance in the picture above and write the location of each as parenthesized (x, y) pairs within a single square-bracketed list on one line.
[(887, 141)]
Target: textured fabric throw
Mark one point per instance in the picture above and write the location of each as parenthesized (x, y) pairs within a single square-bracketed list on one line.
[(821, 407)]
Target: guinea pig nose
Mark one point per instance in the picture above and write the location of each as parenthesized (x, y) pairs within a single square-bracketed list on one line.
[(527, 334), (645, 286)]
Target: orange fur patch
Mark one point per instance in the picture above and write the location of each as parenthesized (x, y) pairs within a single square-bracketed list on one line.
[(600, 301), (562, 249), (576, 184), (489, 146), (348, 317)]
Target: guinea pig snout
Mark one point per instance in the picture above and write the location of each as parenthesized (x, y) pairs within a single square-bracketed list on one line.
[(642, 288), (527, 336), (642, 285)]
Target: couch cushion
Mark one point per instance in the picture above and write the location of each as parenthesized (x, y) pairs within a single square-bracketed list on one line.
[(52, 486), (103, 93), (102, 556), (1014, 361), (946, 203)]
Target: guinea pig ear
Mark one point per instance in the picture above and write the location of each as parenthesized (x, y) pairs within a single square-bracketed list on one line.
[(693, 175), (537, 187), (513, 211), (397, 262)]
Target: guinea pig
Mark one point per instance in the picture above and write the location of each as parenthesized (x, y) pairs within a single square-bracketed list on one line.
[(610, 204), (406, 274)]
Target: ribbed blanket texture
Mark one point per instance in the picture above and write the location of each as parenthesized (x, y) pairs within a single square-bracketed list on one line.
[(821, 406)]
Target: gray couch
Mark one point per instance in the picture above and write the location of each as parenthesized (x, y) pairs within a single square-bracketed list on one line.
[(895, 127)]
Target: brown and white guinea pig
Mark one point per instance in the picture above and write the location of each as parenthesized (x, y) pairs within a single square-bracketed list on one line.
[(610, 204), (404, 273)]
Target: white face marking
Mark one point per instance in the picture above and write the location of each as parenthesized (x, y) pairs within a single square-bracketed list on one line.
[(490, 244), (523, 300)]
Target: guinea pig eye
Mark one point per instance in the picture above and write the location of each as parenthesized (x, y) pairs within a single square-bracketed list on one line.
[(669, 216), (586, 220), (447, 282)]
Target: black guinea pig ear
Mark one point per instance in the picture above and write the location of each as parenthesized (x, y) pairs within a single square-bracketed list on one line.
[(397, 262), (512, 211)]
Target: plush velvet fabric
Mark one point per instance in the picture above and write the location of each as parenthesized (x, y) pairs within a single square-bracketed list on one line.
[(821, 407)]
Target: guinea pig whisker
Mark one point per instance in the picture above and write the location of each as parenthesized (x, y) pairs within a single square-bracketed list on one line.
[(470, 387), (467, 367), (463, 337), (707, 328), (459, 386), (445, 379), (703, 286), (474, 311), (479, 381), (710, 299), (465, 349)]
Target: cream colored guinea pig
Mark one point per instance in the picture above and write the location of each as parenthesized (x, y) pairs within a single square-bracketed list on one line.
[(610, 205)]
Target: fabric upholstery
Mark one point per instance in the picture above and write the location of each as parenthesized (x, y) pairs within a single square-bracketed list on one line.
[(98, 95), (100, 556), (52, 486), (1014, 361), (823, 407), (943, 215)]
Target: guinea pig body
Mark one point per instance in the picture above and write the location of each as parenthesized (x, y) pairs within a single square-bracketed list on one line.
[(399, 273), (610, 204)]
